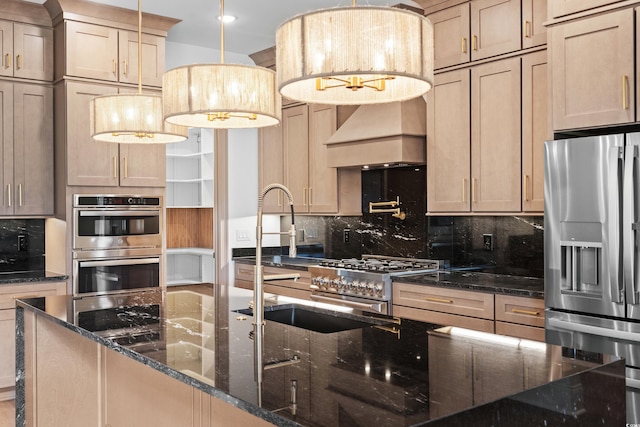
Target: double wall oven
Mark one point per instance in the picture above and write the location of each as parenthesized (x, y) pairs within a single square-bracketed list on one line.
[(117, 244)]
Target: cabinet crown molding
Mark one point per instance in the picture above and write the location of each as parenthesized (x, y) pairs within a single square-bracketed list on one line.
[(26, 12)]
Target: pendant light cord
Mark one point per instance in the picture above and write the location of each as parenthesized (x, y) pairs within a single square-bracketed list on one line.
[(222, 31), (139, 47)]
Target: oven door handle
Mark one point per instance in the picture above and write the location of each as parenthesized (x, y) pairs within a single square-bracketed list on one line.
[(122, 261), (119, 213), (338, 301)]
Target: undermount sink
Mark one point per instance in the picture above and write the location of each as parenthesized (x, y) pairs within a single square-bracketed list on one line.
[(312, 319)]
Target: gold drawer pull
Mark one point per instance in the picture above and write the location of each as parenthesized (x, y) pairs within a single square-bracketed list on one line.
[(464, 188), (529, 312), (527, 29), (446, 301), (525, 187), (474, 42), (464, 45), (19, 62), (625, 90), (7, 60)]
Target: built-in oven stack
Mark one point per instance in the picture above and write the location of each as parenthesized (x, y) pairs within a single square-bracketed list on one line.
[(365, 284), (117, 244)]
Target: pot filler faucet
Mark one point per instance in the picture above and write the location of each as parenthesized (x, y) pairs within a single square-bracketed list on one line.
[(258, 292)]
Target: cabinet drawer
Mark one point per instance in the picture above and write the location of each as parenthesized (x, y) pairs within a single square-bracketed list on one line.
[(465, 303), (303, 283), (520, 331), (244, 272), (522, 310), (8, 293), (447, 319)]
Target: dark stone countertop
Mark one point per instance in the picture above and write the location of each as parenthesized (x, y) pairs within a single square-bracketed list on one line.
[(459, 279), (405, 374), (30, 277)]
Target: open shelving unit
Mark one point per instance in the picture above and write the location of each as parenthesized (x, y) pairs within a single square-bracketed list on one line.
[(189, 197)]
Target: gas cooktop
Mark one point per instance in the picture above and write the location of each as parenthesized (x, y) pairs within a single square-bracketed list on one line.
[(385, 264)]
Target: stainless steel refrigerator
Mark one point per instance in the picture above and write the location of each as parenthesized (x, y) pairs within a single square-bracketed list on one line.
[(592, 294)]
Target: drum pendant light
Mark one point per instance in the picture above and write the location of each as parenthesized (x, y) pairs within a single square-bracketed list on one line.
[(355, 55), (221, 95), (133, 118)]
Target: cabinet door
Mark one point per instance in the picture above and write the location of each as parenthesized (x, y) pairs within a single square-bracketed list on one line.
[(295, 135), (270, 154), (535, 129), (33, 150), (142, 165), (593, 71), (323, 180), (451, 36), (8, 348), (450, 371), (89, 162), (6, 144), (6, 44), (495, 137), (33, 52), (91, 51), (495, 27), (565, 7), (534, 14), (153, 58), (448, 144), (489, 365)]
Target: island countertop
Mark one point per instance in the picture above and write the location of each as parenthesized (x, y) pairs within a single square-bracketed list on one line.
[(397, 373)]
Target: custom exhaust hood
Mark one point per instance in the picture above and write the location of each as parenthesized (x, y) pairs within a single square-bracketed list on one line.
[(381, 134)]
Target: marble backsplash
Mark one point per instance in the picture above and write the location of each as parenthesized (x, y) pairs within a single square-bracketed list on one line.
[(517, 240), (22, 243)]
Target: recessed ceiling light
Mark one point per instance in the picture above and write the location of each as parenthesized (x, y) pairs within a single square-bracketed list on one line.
[(227, 18)]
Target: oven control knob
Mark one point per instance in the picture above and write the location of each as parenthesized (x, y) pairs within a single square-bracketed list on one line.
[(353, 286), (379, 289), (370, 287), (335, 284)]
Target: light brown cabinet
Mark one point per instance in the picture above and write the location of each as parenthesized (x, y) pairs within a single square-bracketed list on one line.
[(118, 164), (301, 288), (534, 15), (27, 51), (590, 90), (520, 317), (111, 54), (481, 174), (565, 7), (271, 170), (8, 294), (26, 141), (476, 30)]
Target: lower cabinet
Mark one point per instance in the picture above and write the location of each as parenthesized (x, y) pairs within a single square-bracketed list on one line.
[(515, 316), (8, 294), (301, 288)]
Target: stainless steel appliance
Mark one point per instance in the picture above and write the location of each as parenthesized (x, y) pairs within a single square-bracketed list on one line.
[(592, 249), (117, 244), (364, 284)]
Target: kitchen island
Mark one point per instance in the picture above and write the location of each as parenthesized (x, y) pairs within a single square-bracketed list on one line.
[(199, 368)]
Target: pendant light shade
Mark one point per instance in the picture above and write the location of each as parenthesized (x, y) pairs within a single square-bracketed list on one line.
[(133, 118), (355, 55), (221, 95)]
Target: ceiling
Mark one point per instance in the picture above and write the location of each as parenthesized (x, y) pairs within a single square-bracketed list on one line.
[(253, 31)]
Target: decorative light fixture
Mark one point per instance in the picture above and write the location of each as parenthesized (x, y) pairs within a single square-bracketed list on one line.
[(221, 95), (133, 118), (355, 55)]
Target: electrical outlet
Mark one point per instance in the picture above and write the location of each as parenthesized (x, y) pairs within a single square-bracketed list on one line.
[(487, 242), (345, 235), (22, 243)]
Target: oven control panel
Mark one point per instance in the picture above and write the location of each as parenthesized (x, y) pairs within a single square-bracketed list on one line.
[(352, 286)]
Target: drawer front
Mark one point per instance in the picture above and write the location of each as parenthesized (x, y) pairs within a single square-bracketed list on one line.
[(444, 319), (244, 272), (520, 331), (9, 293), (303, 283), (465, 303), (521, 310)]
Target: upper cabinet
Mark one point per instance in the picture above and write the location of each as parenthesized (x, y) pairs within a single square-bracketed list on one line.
[(481, 29), (27, 51), (110, 54), (559, 8), (593, 71), (26, 170)]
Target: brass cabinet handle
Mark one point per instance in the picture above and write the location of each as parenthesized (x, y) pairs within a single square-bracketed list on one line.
[(434, 299), (124, 65), (20, 195), (7, 60), (473, 190), (310, 196), (474, 42), (115, 167), (526, 29), (304, 196), (625, 90), (126, 167), (114, 65), (464, 45), (529, 312), (464, 189), (19, 62), (525, 187), (9, 193)]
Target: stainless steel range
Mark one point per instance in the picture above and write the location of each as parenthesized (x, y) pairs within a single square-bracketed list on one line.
[(364, 284)]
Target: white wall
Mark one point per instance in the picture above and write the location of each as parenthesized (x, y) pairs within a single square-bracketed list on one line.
[(178, 54)]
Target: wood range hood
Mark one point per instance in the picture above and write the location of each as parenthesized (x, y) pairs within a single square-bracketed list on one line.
[(381, 134)]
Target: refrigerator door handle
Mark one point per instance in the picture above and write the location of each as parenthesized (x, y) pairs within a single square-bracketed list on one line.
[(566, 325), (628, 231)]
